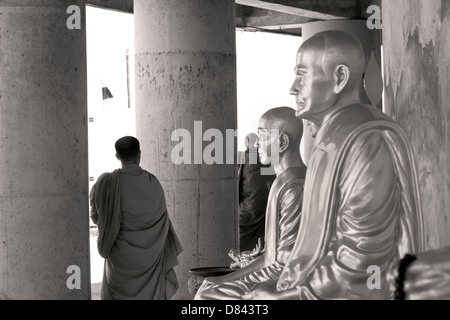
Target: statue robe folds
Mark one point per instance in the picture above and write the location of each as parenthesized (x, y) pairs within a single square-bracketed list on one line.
[(136, 236), (361, 209), (282, 223)]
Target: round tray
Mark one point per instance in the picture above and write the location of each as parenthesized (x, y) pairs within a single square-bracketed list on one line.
[(211, 272)]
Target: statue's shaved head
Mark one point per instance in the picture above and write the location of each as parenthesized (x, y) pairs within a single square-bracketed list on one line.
[(334, 48), (283, 119), (328, 74)]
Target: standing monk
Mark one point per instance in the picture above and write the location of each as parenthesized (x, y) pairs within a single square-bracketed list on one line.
[(280, 133), (136, 236), (254, 187), (361, 208)]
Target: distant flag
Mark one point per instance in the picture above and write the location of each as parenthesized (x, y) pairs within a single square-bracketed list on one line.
[(106, 93)]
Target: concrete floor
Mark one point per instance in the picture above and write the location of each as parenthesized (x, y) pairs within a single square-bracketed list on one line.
[(95, 291), (97, 263)]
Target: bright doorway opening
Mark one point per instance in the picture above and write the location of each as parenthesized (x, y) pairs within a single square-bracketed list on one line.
[(265, 64), (111, 110)]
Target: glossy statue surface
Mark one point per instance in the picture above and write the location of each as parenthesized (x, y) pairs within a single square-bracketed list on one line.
[(283, 212), (361, 206)]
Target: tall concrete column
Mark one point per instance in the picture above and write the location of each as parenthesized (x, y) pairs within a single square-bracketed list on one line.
[(370, 40), (417, 80), (186, 72), (44, 229)]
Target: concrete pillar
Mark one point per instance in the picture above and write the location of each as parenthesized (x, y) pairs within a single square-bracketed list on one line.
[(44, 226), (370, 40), (186, 72), (417, 81)]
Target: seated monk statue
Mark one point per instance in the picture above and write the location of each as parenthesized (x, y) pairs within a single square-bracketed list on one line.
[(361, 207), (279, 133)]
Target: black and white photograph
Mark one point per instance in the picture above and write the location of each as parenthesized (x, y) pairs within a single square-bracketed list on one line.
[(245, 152)]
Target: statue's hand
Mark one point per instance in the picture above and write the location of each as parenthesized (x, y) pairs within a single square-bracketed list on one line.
[(200, 286), (234, 255), (211, 281), (255, 252), (264, 292), (245, 258)]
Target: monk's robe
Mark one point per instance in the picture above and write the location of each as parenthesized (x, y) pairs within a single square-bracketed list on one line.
[(136, 236), (361, 209), (282, 223)]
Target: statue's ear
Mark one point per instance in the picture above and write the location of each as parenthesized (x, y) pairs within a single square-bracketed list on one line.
[(284, 142), (341, 77)]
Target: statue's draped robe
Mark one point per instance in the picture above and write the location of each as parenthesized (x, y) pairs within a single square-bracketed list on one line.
[(136, 236), (361, 209), (282, 223)]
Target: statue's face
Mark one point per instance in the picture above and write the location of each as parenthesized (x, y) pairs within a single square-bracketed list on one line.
[(267, 141), (313, 87)]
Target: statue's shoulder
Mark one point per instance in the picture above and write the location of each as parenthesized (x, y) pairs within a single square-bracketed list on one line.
[(368, 118), (358, 114), (346, 121), (295, 183)]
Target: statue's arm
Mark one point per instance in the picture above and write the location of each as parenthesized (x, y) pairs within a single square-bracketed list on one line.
[(269, 292), (238, 274), (288, 225), (365, 225)]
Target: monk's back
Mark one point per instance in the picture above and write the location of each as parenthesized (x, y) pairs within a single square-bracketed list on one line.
[(142, 199)]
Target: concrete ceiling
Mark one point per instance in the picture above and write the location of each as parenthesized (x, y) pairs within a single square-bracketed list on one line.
[(277, 16)]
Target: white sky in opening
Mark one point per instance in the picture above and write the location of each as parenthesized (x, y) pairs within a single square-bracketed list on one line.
[(265, 73), (109, 35), (265, 64)]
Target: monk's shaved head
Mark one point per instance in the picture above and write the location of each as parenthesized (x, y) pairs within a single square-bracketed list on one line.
[(127, 148), (250, 140), (334, 48), (284, 120)]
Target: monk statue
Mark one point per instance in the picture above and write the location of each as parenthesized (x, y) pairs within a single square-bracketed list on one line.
[(279, 133), (361, 207)]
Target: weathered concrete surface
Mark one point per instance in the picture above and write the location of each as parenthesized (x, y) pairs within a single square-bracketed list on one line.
[(44, 225), (417, 78), (186, 72)]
